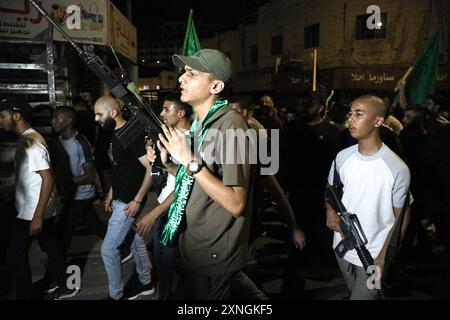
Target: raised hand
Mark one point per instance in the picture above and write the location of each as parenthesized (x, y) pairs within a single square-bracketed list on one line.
[(176, 144)]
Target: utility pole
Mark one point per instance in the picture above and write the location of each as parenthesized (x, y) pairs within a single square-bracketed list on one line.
[(133, 69)]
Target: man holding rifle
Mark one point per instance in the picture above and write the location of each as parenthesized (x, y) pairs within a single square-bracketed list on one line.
[(376, 183)]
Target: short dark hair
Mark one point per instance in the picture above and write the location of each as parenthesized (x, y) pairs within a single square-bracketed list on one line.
[(376, 103), (266, 94), (438, 99), (338, 112), (245, 102), (68, 111), (312, 97), (85, 90), (78, 101), (175, 98)]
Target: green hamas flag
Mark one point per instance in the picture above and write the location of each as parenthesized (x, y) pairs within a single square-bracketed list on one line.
[(422, 80), (191, 43)]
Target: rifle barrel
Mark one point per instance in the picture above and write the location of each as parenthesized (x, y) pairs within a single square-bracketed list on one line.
[(44, 13)]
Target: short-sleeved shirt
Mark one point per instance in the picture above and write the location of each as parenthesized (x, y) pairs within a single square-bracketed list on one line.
[(214, 241), (79, 152), (127, 172), (31, 157), (170, 181), (373, 186)]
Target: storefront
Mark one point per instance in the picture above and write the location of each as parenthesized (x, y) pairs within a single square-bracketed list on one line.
[(381, 78), (371, 78), (260, 80)]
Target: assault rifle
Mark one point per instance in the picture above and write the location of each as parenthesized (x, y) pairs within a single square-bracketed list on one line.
[(353, 234), (143, 118)]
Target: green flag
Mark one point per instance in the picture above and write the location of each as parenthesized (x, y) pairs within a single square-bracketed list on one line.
[(422, 80), (191, 43)]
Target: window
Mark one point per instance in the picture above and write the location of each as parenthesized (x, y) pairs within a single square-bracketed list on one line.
[(362, 32), (312, 36), (254, 55), (277, 45)]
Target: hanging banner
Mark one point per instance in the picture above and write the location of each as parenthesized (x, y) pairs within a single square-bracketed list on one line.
[(122, 34), (381, 77)]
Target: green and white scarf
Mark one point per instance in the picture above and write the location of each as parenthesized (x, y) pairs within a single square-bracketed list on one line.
[(183, 182)]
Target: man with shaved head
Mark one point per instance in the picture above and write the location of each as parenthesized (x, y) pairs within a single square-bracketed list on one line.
[(375, 183), (130, 181)]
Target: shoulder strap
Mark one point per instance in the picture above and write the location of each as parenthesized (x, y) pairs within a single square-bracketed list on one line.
[(336, 177), (394, 243)]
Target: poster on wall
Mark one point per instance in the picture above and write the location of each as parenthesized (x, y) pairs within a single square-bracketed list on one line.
[(20, 19), (123, 34)]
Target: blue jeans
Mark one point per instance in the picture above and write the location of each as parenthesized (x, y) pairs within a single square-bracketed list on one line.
[(118, 226)]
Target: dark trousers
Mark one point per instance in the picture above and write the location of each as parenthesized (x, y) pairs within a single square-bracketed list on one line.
[(166, 261), (19, 249), (244, 288), (414, 229), (311, 217), (63, 231), (198, 286), (7, 217), (441, 220), (71, 214), (233, 285)]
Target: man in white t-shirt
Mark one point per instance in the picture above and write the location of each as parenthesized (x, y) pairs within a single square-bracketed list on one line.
[(375, 182), (177, 115), (36, 203)]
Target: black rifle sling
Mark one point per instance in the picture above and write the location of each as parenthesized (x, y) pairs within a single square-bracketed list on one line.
[(394, 243), (337, 178)]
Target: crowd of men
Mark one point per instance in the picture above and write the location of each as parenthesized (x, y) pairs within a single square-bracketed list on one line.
[(394, 174)]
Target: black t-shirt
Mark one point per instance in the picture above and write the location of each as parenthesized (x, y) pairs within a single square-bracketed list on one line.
[(308, 153), (436, 158), (127, 172), (327, 135), (86, 124), (413, 142)]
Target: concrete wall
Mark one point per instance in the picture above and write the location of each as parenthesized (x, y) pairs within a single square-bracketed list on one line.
[(409, 24), (165, 80)]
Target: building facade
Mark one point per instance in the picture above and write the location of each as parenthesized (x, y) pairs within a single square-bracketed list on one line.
[(156, 46), (275, 52)]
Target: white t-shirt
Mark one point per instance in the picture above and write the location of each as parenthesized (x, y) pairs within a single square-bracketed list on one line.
[(170, 182), (373, 186), (168, 188), (32, 156)]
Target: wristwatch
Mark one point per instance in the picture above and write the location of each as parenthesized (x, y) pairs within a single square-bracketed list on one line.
[(194, 167)]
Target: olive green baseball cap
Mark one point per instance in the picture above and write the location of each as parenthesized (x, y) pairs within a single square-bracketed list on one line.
[(207, 60)]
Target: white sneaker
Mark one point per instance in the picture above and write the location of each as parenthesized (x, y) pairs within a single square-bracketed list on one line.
[(127, 258), (67, 293)]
